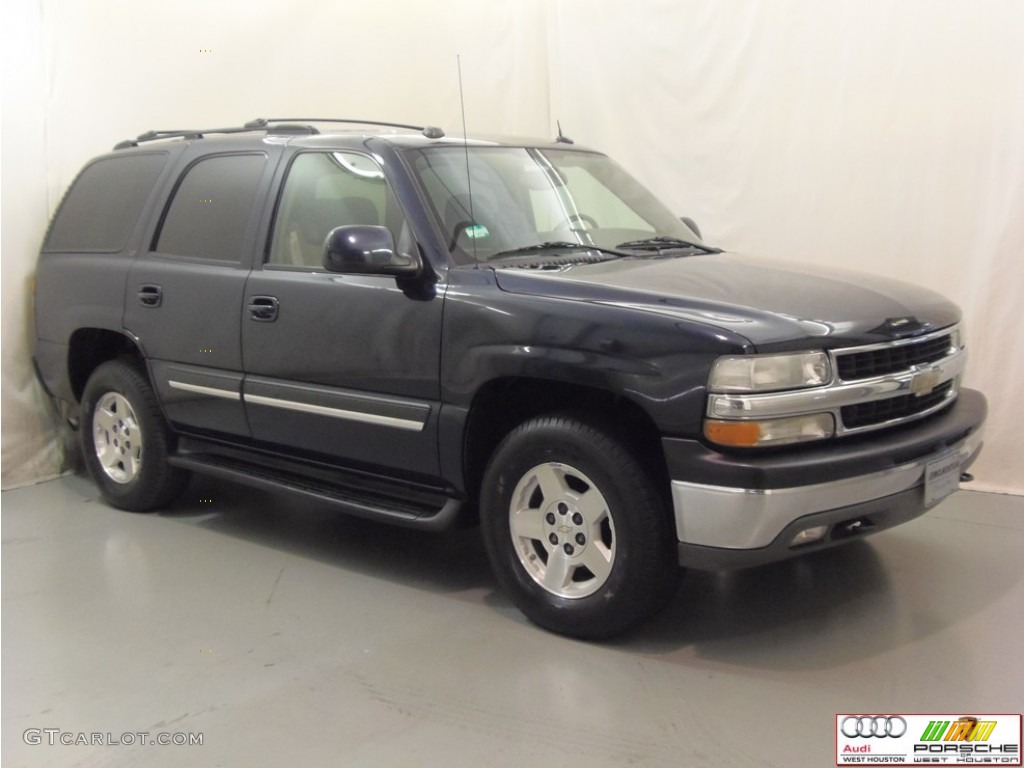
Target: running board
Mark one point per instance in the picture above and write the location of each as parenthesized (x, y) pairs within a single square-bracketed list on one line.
[(362, 502)]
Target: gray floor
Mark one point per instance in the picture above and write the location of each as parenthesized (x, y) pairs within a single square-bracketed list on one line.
[(286, 635)]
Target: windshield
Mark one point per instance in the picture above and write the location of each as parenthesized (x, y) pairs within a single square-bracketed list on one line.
[(523, 197)]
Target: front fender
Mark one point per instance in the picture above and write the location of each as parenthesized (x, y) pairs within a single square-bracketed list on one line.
[(657, 361)]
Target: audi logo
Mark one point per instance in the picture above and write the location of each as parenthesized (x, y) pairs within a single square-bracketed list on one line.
[(873, 726)]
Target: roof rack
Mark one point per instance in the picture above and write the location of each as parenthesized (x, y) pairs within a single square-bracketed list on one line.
[(272, 125), (430, 131), (187, 133)]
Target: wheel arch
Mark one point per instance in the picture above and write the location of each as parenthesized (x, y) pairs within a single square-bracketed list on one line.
[(89, 348), (502, 404)]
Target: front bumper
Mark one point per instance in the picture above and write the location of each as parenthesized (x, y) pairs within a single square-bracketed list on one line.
[(734, 511)]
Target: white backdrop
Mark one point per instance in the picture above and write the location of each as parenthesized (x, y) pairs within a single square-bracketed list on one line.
[(80, 75), (869, 134)]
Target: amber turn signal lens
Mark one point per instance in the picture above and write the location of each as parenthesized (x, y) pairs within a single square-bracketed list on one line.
[(784, 431), (739, 433)]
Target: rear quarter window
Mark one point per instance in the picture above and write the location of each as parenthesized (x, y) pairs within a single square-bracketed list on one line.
[(101, 208)]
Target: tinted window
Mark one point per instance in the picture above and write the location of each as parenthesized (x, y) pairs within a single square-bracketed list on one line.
[(103, 204), (325, 190), (210, 211)]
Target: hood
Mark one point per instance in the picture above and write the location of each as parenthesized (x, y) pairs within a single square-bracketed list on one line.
[(767, 302)]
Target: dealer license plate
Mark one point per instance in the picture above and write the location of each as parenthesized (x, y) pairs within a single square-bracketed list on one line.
[(941, 478)]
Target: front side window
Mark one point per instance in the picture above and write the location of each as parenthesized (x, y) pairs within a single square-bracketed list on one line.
[(325, 190), (209, 214), (489, 201), (103, 205)]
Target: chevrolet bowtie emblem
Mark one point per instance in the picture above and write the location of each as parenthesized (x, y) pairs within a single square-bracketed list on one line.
[(925, 381)]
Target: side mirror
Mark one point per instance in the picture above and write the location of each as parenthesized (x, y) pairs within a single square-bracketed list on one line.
[(692, 225), (365, 250)]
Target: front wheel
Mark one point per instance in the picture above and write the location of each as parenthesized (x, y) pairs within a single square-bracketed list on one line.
[(125, 439), (575, 529)]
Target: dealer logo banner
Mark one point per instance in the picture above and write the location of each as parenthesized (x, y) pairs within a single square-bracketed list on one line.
[(922, 739)]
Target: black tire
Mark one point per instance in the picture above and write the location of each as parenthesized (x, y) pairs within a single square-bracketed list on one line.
[(125, 439), (580, 496)]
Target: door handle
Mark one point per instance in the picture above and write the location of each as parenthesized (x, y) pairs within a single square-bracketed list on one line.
[(263, 308), (150, 295)]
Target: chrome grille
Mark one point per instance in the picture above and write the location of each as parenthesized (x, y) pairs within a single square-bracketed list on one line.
[(894, 408), (890, 359)]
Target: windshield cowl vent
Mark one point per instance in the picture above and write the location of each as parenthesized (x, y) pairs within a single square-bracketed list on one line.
[(551, 264)]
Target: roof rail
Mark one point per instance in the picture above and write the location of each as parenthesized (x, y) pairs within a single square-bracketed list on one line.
[(430, 131), (185, 133), (271, 125)]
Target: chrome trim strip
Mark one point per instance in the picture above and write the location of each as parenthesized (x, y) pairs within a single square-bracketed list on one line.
[(743, 518), (834, 397), (337, 413), (797, 402), (227, 394)]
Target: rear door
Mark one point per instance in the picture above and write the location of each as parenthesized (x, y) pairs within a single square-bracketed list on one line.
[(183, 297), (340, 366)]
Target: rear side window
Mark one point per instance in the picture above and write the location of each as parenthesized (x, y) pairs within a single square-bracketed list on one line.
[(209, 214), (104, 203)]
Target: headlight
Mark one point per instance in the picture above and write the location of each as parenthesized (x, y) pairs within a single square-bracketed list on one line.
[(764, 373)]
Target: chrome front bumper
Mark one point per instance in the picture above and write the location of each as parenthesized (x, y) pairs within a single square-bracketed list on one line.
[(723, 527)]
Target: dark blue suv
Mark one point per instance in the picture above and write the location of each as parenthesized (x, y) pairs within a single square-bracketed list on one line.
[(428, 331)]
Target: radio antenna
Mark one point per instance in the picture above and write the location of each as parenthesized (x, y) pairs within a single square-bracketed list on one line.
[(465, 146), (562, 138)]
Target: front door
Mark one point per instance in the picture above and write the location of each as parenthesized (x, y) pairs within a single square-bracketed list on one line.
[(343, 367)]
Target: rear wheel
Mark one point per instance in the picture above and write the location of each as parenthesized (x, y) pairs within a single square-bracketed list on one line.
[(575, 529), (125, 439)]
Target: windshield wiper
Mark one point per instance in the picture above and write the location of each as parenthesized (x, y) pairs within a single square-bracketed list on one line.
[(557, 245), (662, 243)]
